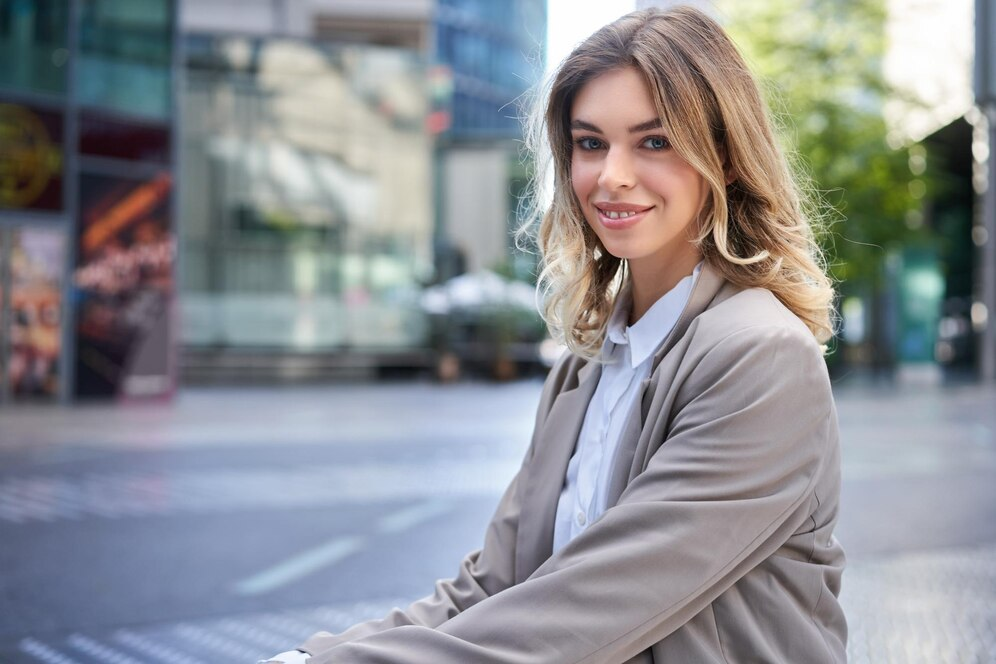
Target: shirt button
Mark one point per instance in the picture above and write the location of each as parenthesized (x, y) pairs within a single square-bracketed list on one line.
[(582, 519)]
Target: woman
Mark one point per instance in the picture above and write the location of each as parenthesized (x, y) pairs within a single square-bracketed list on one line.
[(678, 499)]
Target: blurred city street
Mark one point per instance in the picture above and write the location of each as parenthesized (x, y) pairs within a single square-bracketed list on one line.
[(215, 213), (234, 522)]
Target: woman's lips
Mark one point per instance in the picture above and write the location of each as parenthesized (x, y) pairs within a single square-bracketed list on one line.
[(622, 217)]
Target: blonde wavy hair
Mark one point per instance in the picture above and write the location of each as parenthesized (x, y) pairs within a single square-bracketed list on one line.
[(755, 231)]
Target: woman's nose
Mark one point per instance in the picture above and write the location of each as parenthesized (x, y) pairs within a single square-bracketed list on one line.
[(617, 170)]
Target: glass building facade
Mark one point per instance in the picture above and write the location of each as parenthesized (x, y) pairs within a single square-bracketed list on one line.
[(495, 53), (316, 181), (87, 244), (306, 201), (492, 55), (299, 210)]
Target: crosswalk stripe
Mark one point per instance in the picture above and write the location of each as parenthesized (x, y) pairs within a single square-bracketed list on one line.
[(151, 648), (99, 651), (44, 653)]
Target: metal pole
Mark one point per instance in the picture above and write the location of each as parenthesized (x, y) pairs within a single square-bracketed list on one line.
[(71, 180), (6, 324), (174, 349), (987, 365)]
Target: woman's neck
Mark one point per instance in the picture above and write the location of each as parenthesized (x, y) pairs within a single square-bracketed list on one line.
[(649, 284)]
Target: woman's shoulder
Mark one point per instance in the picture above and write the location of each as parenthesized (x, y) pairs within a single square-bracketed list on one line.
[(750, 315), (748, 341)]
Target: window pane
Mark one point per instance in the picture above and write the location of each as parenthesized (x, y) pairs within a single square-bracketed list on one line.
[(306, 198), (33, 45), (125, 55)]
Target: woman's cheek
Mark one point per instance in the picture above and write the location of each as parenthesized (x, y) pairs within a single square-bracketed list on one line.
[(581, 179)]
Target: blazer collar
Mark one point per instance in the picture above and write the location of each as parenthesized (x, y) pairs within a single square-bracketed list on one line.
[(704, 290)]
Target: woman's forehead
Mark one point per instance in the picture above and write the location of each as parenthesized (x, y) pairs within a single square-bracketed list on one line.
[(619, 97)]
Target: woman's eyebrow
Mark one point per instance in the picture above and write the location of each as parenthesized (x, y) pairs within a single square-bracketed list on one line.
[(646, 126), (585, 126), (635, 129)]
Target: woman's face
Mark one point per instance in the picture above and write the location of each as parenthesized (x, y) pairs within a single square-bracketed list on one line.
[(638, 195)]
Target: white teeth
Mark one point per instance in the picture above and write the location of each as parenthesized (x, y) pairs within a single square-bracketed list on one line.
[(612, 214)]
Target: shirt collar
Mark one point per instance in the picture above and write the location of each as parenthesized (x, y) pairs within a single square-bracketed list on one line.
[(648, 333)]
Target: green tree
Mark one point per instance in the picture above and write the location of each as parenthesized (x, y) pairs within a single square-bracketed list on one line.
[(820, 66)]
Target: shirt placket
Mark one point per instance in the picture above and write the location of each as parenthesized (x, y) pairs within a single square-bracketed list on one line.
[(594, 452), (617, 391)]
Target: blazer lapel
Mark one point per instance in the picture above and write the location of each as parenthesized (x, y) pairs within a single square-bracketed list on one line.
[(706, 287), (630, 436), (545, 480)]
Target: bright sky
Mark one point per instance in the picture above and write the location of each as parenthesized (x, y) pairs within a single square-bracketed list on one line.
[(930, 57), (570, 21)]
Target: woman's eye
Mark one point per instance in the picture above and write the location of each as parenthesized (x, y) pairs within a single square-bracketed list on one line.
[(657, 143), (589, 143)]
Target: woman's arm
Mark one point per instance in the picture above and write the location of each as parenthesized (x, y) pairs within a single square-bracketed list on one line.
[(482, 573), (728, 487)]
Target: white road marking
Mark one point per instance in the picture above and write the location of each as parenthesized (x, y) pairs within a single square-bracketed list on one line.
[(204, 638), (247, 631), (308, 562), (151, 648), (99, 651), (412, 516), (300, 565), (42, 652)]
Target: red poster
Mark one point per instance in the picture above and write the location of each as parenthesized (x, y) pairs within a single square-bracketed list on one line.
[(125, 289)]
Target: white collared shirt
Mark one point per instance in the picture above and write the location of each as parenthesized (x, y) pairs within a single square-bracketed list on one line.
[(627, 353)]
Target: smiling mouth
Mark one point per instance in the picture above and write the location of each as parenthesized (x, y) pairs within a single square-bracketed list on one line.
[(620, 214)]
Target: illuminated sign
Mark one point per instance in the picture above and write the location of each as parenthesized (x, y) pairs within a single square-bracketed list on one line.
[(30, 158)]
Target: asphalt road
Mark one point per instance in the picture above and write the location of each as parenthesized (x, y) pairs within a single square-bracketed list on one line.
[(234, 522)]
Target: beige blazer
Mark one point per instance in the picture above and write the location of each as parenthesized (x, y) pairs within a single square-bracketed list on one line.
[(718, 544)]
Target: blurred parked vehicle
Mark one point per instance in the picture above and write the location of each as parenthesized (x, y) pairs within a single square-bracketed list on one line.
[(483, 323)]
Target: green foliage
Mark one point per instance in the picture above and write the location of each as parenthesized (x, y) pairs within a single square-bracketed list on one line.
[(820, 66)]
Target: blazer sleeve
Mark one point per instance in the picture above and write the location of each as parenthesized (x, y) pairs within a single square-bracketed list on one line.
[(482, 573), (729, 485)]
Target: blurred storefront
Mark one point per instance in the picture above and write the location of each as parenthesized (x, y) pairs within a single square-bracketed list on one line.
[(950, 211), (86, 197), (924, 322), (307, 198), (337, 158)]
